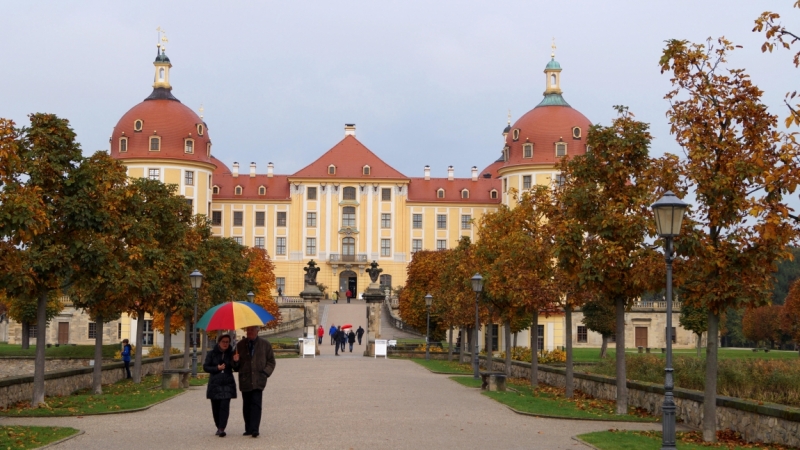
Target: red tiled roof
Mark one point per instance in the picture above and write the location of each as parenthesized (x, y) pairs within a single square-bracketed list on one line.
[(277, 187), (169, 119), (349, 156), (544, 126), (492, 168), (422, 190)]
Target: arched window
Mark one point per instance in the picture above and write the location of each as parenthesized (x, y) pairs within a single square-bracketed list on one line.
[(365, 170), (200, 129), (331, 170), (348, 249), (440, 193), (161, 74), (552, 79), (465, 193), (576, 133), (527, 151), (208, 149), (349, 216), (189, 146), (238, 190), (505, 153), (137, 125), (215, 190), (493, 194), (349, 193), (262, 190), (123, 145)]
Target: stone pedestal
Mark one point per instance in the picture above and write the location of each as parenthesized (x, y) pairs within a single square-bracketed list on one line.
[(374, 298), (311, 296)]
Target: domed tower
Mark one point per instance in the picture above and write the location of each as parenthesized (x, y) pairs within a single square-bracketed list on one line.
[(161, 138), (536, 142)]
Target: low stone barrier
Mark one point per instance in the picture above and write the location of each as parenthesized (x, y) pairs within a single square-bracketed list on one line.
[(768, 423), (67, 381), (284, 326), (12, 366)]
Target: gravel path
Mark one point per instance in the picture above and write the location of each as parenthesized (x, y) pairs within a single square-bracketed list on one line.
[(337, 403)]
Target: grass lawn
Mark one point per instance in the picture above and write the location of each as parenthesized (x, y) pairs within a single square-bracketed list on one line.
[(119, 396), (198, 381), (647, 440), (63, 351), (19, 437), (437, 365), (593, 354), (550, 401)]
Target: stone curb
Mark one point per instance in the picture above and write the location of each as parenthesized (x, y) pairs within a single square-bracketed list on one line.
[(125, 411), (581, 441), (53, 444), (588, 419)]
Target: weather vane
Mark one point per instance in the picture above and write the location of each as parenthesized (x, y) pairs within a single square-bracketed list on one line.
[(553, 46), (162, 37)]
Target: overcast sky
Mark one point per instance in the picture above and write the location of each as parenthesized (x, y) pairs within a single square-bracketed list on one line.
[(426, 82)]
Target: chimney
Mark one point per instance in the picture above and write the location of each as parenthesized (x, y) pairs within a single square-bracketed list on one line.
[(427, 172), (474, 173), (350, 129), (450, 173), (252, 170), (270, 169), (235, 169)]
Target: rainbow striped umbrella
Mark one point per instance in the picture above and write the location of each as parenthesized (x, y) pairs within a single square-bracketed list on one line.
[(234, 315)]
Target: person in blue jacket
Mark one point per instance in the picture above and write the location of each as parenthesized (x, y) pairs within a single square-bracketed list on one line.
[(331, 332), (126, 357)]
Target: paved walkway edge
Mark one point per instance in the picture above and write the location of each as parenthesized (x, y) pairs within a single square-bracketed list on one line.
[(53, 444), (576, 438), (546, 416), (104, 413)]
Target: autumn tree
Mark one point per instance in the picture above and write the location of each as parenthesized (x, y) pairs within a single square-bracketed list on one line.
[(454, 299), (790, 319), (763, 324), (261, 274), (740, 169), (778, 35), (422, 279), (695, 319)]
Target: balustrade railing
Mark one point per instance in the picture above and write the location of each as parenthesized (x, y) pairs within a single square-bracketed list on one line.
[(398, 323), (336, 258), (655, 304)]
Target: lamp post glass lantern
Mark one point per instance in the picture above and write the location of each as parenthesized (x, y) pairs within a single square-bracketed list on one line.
[(668, 211), (428, 302), (477, 286), (196, 278), (250, 296)]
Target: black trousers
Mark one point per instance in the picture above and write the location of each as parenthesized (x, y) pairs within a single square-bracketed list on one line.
[(128, 369), (251, 410), (359, 340), (221, 409)]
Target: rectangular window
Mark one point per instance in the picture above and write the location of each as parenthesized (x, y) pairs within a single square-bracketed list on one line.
[(189, 178), (123, 145), (260, 218), (280, 284), (466, 221), (559, 180), (583, 336), (239, 240), (612, 337), (441, 244), (119, 330), (189, 202), (417, 221), (386, 247), (32, 330), (154, 174), (311, 219), (441, 221), (280, 246), (416, 245), (526, 182), (527, 151), (311, 246), (386, 194), (281, 219), (311, 193), (540, 340), (674, 335), (92, 330), (238, 218), (348, 216), (155, 144), (386, 220), (216, 218), (147, 336), (495, 336), (259, 242), (189, 146), (561, 149)]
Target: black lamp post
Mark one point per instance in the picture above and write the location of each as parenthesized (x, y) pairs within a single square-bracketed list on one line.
[(669, 211), (428, 301), (250, 296), (197, 280), (477, 286)]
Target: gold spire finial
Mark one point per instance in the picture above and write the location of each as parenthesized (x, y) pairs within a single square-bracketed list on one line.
[(201, 110), (162, 37), (553, 46)]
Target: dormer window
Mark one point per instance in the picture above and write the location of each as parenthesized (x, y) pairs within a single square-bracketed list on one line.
[(515, 134), (331, 170), (137, 125), (493, 193), (237, 190), (208, 150), (262, 190), (200, 129), (440, 193), (155, 143), (215, 190), (527, 151), (505, 153), (464, 193), (365, 170), (123, 145), (561, 149), (188, 145), (576, 133)]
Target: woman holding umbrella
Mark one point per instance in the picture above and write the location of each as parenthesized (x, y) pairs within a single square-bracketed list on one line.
[(221, 384)]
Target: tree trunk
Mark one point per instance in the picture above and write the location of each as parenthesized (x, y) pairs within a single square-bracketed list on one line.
[(450, 345), (204, 340), (26, 335), (167, 338), (41, 338), (699, 343), (515, 339), (569, 384), (187, 352), (488, 342), (604, 347), (535, 350), (97, 373), (710, 394), (622, 388), (462, 357), (507, 338), (137, 362)]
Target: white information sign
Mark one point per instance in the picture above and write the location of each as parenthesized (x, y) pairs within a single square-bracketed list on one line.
[(380, 347), (309, 347), (392, 343)]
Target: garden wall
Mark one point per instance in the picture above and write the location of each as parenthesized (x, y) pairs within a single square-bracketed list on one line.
[(65, 382), (11, 366), (767, 423)]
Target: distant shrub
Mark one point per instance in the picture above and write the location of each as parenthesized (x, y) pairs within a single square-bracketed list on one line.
[(545, 356), (156, 351)]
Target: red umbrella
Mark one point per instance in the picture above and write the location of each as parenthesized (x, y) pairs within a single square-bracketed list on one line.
[(347, 325)]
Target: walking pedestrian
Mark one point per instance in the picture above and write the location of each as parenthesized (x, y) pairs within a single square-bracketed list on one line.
[(221, 384), (336, 297), (348, 294), (331, 332), (351, 339), (255, 362), (343, 340), (126, 357), (336, 337), (320, 334), (359, 334)]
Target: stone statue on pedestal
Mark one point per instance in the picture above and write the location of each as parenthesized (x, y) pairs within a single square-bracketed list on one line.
[(374, 272), (311, 273)]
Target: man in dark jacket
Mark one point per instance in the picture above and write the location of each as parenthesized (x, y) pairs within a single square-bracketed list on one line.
[(337, 337), (351, 339), (359, 334), (331, 332), (255, 362)]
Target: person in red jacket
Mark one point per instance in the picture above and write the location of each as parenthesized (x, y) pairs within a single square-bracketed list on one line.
[(348, 295), (320, 333)]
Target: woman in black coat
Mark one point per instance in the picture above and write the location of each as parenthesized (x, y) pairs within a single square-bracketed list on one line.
[(221, 384)]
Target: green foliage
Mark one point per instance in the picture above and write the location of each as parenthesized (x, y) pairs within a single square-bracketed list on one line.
[(62, 351), (694, 319), (26, 437), (599, 316)]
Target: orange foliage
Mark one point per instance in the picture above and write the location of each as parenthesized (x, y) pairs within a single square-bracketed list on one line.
[(262, 273)]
